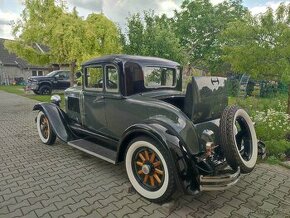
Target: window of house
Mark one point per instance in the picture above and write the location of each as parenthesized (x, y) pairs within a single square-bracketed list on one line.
[(94, 78), (37, 73), (112, 79)]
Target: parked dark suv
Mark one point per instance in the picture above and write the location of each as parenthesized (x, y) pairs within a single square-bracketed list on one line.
[(44, 85)]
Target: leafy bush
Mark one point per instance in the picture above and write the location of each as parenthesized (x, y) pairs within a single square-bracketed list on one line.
[(271, 124), (268, 89), (278, 148), (250, 88), (233, 87), (253, 104)]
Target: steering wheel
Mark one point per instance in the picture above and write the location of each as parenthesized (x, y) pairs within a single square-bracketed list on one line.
[(110, 84)]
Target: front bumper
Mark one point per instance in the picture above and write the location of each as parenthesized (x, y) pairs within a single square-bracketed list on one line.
[(32, 86), (219, 182)]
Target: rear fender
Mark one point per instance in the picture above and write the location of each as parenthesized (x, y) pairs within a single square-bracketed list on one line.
[(57, 119), (186, 173)]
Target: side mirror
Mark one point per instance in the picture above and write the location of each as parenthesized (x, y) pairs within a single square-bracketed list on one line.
[(78, 74)]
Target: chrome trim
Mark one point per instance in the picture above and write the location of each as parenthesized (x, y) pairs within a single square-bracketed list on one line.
[(219, 182)]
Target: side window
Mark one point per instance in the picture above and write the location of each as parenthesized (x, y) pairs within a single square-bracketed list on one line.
[(112, 79), (63, 75), (94, 78)]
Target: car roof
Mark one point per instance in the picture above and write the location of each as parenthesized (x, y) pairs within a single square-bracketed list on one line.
[(142, 60), (61, 71)]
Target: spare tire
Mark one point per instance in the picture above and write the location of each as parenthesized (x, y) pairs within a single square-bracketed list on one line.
[(238, 139)]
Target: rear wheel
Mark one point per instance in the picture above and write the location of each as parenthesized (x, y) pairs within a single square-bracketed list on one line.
[(44, 129), (239, 141), (45, 90), (150, 169)]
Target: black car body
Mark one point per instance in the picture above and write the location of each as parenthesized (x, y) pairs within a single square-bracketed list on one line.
[(55, 80), (186, 143)]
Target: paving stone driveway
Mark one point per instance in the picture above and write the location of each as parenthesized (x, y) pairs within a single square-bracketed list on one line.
[(37, 180)]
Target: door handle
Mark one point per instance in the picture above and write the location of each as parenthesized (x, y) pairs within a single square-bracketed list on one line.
[(99, 98)]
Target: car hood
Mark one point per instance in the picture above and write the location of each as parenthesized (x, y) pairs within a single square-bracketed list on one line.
[(40, 78)]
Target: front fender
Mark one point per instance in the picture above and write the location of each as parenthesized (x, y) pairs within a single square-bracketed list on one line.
[(57, 120), (186, 173)]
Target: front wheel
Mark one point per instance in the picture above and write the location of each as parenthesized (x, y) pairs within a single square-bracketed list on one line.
[(239, 140), (150, 169), (45, 90), (44, 129)]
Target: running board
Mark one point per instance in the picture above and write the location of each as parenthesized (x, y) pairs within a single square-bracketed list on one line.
[(94, 149)]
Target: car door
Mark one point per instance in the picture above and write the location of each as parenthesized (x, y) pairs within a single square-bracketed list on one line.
[(94, 103), (63, 81), (121, 112)]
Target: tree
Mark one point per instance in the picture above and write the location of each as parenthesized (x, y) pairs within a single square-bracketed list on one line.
[(70, 39), (151, 35), (198, 26), (260, 45)]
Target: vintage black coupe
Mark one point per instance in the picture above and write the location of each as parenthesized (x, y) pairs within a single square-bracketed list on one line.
[(132, 109)]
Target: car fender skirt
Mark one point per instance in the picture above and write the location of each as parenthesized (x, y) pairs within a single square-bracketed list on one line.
[(57, 120), (185, 171)]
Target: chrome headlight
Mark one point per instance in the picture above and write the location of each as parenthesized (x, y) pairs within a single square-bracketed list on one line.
[(55, 99), (34, 82)]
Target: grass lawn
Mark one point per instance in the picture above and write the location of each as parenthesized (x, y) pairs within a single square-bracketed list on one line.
[(19, 90)]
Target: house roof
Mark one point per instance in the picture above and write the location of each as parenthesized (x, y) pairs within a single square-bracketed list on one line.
[(11, 59)]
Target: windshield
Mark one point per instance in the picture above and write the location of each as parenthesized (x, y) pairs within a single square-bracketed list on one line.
[(51, 74), (155, 77)]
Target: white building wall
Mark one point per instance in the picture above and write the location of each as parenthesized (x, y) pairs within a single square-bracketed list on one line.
[(10, 72)]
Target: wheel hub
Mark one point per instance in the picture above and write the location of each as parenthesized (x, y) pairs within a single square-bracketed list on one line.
[(146, 169)]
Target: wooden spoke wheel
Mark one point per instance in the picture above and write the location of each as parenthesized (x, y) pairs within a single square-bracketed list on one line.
[(44, 129), (44, 126), (150, 169)]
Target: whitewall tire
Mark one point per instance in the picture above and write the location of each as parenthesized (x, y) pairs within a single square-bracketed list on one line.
[(45, 132), (150, 169), (239, 140)]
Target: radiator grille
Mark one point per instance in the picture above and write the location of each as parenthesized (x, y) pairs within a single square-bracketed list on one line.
[(73, 104)]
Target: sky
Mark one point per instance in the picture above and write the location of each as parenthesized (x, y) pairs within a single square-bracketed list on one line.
[(116, 10)]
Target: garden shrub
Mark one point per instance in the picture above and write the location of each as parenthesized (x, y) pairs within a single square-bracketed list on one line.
[(278, 148), (268, 89), (250, 88), (282, 88), (233, 87), (271, 124)]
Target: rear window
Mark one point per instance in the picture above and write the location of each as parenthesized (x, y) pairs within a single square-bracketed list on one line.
[(155, 77)]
